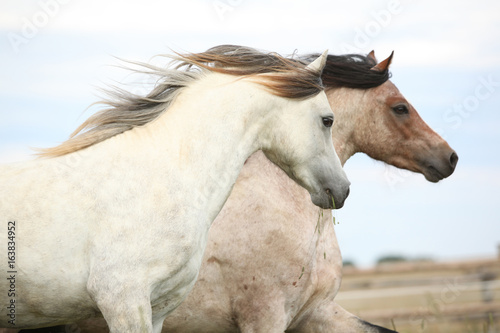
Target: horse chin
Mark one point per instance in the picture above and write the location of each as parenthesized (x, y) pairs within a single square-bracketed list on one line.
[(436, 169), (322, 200), (432, 174), (325, 200)]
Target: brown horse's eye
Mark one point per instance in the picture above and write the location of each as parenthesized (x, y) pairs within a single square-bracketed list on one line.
[(400, 109), (328, 122)]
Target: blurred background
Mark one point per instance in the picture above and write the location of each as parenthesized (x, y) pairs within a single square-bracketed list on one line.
[(55, 54)]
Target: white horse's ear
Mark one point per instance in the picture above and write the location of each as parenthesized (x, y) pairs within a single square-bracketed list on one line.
[(318, 64), (383, 65), (371, 55)]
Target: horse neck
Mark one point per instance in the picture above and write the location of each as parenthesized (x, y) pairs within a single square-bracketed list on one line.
[(348, 106), (206, 136)]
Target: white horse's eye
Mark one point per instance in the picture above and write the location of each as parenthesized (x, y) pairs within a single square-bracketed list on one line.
[(327, 121)]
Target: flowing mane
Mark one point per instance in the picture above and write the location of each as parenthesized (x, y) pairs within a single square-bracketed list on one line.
[(124, 110), (350, 71), (281, 76)]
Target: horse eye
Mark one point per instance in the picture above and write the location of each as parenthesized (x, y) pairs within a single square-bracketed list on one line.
[(328, 122), (400, 109)]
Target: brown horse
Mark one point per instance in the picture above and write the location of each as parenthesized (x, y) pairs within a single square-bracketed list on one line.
[(272, 262)]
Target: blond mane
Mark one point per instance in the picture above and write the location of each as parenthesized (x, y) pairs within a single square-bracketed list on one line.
[(124, 110)]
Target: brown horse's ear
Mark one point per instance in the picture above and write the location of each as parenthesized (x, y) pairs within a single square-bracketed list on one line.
[(384, 65), (371, 55)]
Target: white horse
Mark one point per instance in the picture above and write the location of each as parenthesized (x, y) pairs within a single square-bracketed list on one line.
[(114, 221)]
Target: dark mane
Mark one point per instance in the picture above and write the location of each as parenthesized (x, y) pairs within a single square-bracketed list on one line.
[(350, 71)]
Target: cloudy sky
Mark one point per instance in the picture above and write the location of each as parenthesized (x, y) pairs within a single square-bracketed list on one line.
[(54, 54)]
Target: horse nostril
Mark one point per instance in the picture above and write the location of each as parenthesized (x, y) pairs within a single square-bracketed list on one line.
[(348, 191), (453, 160)]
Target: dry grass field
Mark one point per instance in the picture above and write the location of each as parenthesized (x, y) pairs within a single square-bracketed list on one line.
[(426, 296)]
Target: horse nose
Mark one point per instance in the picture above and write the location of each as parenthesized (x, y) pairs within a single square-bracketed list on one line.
[(339, 203), (453, 160)]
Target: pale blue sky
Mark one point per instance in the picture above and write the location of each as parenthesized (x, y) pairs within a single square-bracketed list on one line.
[(54, 54)]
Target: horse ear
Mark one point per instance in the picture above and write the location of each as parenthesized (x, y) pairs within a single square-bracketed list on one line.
[(371, 55), (384, 65), (318, 64)]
